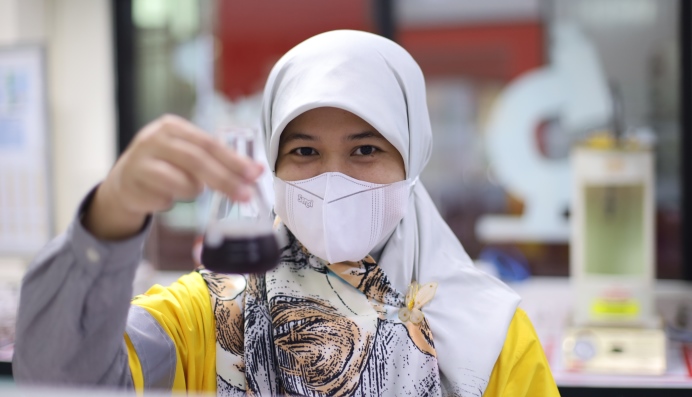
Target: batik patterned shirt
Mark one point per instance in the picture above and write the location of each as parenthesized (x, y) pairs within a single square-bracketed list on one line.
[(311, 328)]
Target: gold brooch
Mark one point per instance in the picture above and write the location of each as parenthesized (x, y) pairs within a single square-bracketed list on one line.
[(416, 297)]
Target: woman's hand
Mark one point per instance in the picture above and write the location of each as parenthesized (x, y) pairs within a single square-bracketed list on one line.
[(170, 159)]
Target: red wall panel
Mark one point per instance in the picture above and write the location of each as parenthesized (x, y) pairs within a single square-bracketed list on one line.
[(493, 51), (254, 34)]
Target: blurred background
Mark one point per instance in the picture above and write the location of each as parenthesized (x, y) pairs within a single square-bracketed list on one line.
[(208, 60), (91, 73)]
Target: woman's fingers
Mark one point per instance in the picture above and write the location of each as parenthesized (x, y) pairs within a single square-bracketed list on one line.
[(242, 166), (169, 179), (149, 198), (195, 161), (171, 159), (203, 157)]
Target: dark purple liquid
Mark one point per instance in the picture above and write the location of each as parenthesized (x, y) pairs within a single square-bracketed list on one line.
[(242, 255)]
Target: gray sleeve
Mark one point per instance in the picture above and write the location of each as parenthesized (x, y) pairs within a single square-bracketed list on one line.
[(73, 310)]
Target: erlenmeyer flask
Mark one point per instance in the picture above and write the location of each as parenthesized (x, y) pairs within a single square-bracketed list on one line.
[(239, 237)]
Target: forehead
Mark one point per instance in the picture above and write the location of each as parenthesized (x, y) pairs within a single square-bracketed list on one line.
[(327, 122), (322, 116)]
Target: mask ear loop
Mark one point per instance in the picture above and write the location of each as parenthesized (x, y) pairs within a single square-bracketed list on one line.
[(415, 272), (409, 311)]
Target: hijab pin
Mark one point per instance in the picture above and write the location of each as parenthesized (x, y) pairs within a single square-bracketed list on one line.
[(416, 297)]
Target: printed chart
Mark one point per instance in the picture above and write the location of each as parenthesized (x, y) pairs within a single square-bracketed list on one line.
[(25, 218)]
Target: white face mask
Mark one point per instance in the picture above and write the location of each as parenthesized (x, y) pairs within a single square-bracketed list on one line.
[(338, 218)]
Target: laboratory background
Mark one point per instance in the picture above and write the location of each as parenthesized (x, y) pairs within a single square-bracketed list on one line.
[(562, 155)]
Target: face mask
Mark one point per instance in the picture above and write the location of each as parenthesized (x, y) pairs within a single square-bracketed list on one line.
[(338, 218)]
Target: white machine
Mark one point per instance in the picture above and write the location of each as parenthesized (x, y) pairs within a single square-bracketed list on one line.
[(615, 328)]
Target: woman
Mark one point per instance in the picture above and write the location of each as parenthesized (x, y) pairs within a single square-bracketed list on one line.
[(348, 133)]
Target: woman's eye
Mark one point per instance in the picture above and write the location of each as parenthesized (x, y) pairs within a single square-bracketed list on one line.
[(365, 150), (305, 151)]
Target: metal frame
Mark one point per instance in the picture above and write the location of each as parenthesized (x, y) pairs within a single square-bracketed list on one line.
[(125, 71), (686, 136)]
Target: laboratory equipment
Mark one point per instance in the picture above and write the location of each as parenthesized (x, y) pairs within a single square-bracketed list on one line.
[(615, 328), (239, 237)]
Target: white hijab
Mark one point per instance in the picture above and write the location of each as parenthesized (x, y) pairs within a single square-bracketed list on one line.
[(380, 82)]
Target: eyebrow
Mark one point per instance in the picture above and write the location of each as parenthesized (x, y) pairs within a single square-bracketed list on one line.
[(364, 135), (296, 136), (300, 136)]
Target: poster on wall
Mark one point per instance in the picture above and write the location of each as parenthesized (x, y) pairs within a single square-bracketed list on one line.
[(25, 216)]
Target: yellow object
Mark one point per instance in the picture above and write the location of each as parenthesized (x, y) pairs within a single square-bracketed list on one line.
[(410, 297), (619, 309), (184, 311), (417, 296), (135, 367), (604, 140), (601, 140), (522, 368)]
